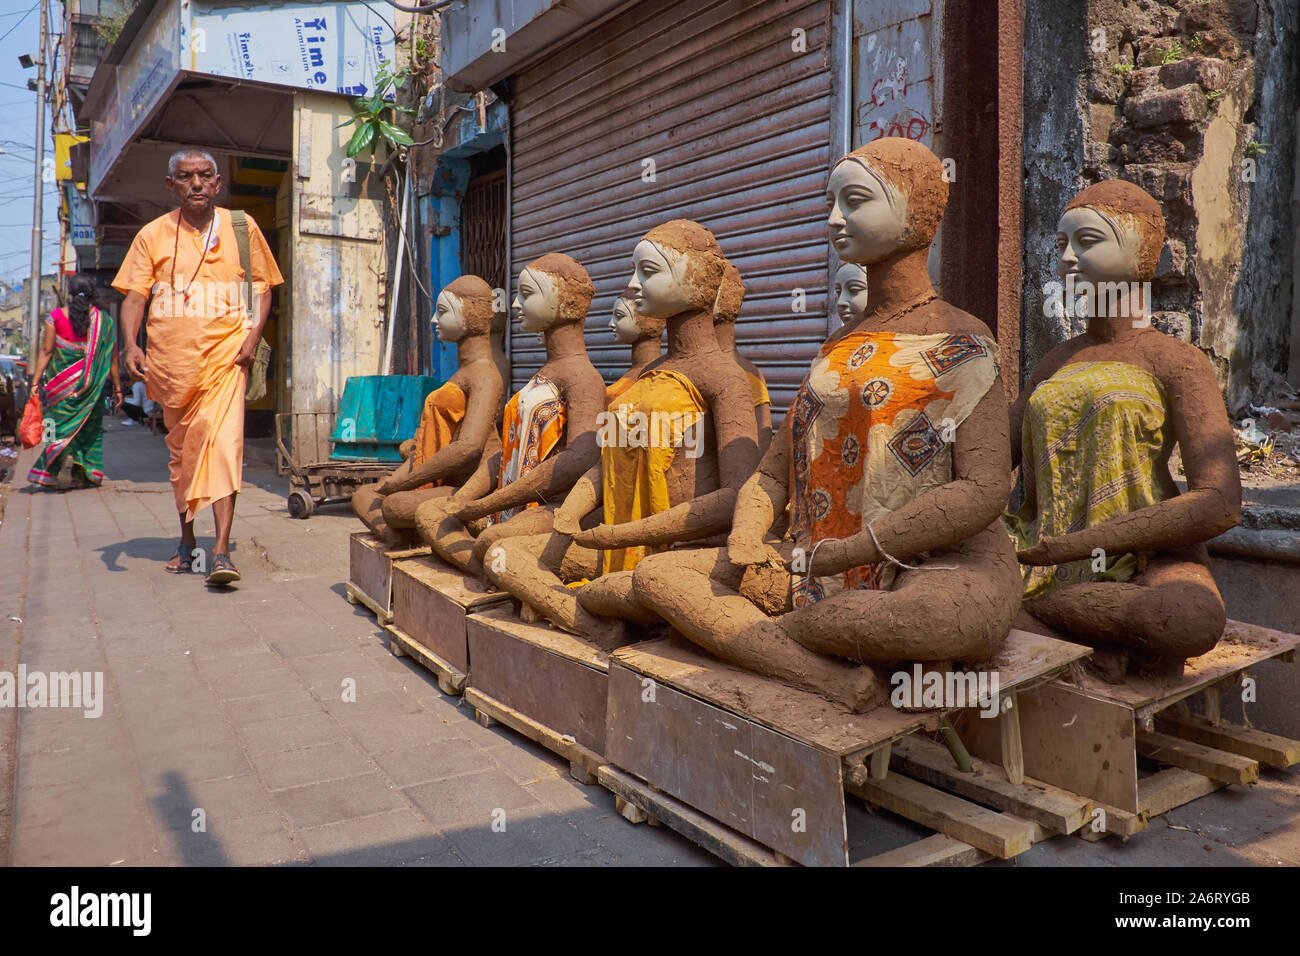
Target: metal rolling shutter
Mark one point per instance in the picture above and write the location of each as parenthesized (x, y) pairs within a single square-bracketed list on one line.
[(738, 126)]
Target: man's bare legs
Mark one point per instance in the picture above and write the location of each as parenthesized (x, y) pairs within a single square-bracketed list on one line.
[(223, 512)]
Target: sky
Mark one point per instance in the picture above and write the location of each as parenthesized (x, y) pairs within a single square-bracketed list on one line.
[(19, 34)]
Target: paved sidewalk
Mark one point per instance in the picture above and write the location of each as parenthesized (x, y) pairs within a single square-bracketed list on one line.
[(231, 703)]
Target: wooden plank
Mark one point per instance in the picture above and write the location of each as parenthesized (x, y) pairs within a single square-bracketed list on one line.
[(703, 831), (1013, 756), (368, 571), (1215, 764), (1103, 821), (1241, 646), (1070, 739), (1056, 809), (778, 791), (557, 743), (937, 850), (1173, 787), (451, 681), (358, 596), (1024, 658), (430, 602), (534, 670), (1000, 834), (1271, 749)]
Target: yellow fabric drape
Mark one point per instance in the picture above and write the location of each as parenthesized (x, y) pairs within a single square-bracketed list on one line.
[(758, 390), (1091, 438), (444, 409), (653, 417)]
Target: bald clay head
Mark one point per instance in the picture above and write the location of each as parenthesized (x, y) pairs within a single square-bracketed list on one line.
[(464, 308), (731, 293), (553, 289), (678, 268), (884, 198), (1115, 229)]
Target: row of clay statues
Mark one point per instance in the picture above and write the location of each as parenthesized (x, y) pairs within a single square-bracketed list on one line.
[(874, 527)]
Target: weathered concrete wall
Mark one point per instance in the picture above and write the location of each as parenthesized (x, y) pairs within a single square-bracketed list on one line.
[(1196, 102), (339, 268), (1055, 108)]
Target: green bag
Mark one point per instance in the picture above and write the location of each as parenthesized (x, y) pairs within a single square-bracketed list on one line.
[(257, 374)]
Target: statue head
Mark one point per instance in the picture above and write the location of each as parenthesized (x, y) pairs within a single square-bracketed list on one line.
[(463, 309), (630, 325), (1111, 231), (731, 293), (885, 198), (850, 292), (678, 268), (553, 290)]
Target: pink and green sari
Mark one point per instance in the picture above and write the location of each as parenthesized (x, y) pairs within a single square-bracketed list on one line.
[(74, 384)]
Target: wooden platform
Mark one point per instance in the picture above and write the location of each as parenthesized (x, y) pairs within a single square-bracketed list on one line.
[(370, 572), (771, 764), (1087, 737), (431, 602), (546, 684)]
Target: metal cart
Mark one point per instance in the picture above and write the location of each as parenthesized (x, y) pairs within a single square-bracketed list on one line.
[(321, 482)]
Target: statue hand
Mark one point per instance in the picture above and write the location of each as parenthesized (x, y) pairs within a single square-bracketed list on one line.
[(1040, 554), (462, 509), (566, 523), (745, 551), (600, 537)]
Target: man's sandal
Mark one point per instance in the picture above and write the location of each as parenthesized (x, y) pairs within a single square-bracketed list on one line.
[(186, 563), (223, 572)]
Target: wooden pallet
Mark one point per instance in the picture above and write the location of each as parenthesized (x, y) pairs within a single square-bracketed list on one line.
[(1087, 737), (370, 573), (691, 739), (431, 602), (546, 684)]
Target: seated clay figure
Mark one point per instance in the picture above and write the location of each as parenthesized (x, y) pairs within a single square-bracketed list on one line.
[(1114, 556), (457, 425), (894, 462), (548, 432), (638, 330), (850, 289), (731, 295), (675, 448)]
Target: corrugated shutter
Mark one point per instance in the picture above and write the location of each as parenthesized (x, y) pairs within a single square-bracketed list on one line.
[(737, 123)]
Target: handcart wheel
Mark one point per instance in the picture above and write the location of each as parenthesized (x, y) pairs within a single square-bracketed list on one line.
[(301, 504)]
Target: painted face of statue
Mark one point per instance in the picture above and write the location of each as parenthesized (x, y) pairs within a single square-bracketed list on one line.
[(867, 218), (624, 323), (448, 317), (659, 281), (850, 292), (1094, 247), (537, 305)]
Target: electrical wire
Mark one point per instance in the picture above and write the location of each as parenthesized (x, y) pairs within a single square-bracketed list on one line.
[(422, 8), (20, 22)]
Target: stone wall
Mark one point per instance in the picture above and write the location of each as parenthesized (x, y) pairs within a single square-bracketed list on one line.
[(1195, 101)]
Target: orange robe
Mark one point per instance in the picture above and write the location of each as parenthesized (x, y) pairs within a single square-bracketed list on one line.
[(194, 339), (444, 409)]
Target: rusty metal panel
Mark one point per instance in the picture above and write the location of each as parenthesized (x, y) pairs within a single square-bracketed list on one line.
[(786, 794), (732, 107)]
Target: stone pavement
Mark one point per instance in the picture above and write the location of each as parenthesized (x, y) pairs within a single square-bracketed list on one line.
[(230, 703)]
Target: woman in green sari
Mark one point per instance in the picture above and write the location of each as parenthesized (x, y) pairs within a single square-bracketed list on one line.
[(79, 348)]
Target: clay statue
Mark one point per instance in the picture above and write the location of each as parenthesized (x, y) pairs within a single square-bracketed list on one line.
[(894, 461), (1114, 555), (638, 330), (548, 433), (676, 446), (850, 292), (726, 309), (457, 425)]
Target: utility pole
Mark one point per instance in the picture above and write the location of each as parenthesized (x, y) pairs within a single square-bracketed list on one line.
[(38, 213)]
